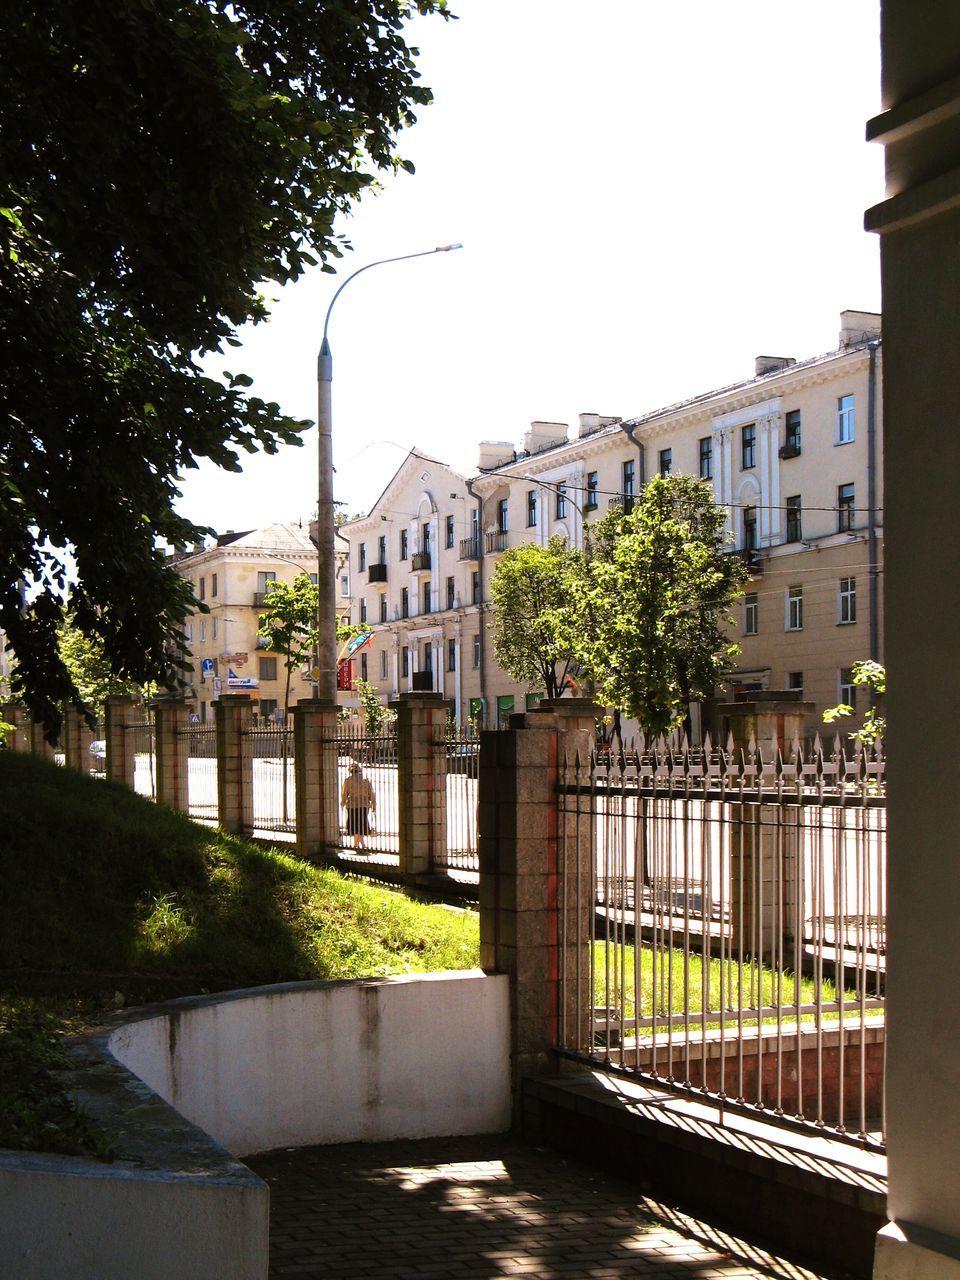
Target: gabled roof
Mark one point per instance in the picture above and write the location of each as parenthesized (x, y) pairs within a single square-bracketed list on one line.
[(415, 455)]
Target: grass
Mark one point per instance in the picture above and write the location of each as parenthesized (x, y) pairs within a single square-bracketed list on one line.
[(670, 989)]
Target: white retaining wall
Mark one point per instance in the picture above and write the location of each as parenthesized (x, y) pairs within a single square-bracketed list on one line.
[(416, 1056)]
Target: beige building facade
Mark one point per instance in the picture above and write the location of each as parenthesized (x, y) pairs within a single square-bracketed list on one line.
[(231, 576), (794, 457)]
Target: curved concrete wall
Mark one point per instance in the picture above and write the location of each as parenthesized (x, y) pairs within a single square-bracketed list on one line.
[(308, 1063)]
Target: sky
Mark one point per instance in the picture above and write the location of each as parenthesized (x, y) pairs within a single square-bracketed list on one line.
[(649, 195)]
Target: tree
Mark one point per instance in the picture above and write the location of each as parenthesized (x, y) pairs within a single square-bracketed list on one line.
[(649, 616), (91, 673), (160, 161), (289, 625), (376, 716), (531, 592), (874, 677)]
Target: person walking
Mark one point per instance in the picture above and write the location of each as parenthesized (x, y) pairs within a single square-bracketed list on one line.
[(357, 797)]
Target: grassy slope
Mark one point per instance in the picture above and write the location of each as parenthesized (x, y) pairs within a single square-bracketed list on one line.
[(95, 879)]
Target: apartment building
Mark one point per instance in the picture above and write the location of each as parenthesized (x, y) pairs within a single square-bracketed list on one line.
[(794, 456), (230, 574)]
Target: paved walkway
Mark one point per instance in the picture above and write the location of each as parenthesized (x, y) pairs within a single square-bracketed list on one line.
[(484, 1207)]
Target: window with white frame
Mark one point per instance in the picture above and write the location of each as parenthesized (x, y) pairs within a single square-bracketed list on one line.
[(383, 664), (476, 650), (531, 508), (706, 457), (845, 507), (344, 585), (203, 630), (593, 482), (666, 461), (846, 688), (751, 613), (793, 620), (846, 423), (748, 446), (562, 500), (846, 601)]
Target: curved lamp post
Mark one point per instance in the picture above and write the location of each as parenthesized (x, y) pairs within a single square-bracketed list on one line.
[(326, 687)]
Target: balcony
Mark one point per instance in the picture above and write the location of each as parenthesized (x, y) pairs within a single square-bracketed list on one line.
[(751, 560), (497, 541), (260, 599), (420, 562), (789, 451), (469, 549), (377, 573)]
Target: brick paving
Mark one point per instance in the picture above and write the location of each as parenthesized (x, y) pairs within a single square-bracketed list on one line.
[(484, 1207)]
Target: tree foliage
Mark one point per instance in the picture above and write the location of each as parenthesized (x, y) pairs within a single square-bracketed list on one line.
[(531, 592), (649, 618), (872, 676), (159, 160), (91, 673), (289, 624)]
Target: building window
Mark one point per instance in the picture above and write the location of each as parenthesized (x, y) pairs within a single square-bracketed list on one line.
[(364, 671), (190, 631), (475, 587), (425, 539), (404, 602), (404, 544), (847, 601), (666, 461), (562, 500), (794, 612), (706, 457), (269, 708), (791, 436), (451, 593), (748, 446), (382, 549), (405, 661), (845, 501), (794, 523), (203, 630), (213, 585), (476, 651), (213, 628), (427, 656), (344, 585), (629, 489), (426, 597), (362, 556), (313, 579), (795, 681), (749, 528), (383, 607), (267, 668), (503, 515), (531, 508), (363, 609), (449, 528), (593, 480), (846, 425), (203, 588), (383, 664), (846, 687), (751, 613), (451, 655)]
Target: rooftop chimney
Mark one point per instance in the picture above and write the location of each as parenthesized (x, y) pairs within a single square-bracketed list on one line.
[(591, 422), (772, 364), (858, 326)]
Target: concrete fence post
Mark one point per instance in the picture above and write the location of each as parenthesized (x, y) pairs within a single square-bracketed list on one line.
[(421, 780), (77, 736), (172, 752), (20, 739), (234, 718), (119, 714), (317, 782), (528, 882)]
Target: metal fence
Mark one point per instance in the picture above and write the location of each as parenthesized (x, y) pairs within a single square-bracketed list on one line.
[(737, 949), (143, 732), (268, 754), (457, 755), (202, 771), (366, 786)]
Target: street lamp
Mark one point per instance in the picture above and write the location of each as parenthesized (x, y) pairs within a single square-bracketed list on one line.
[(326, 687)]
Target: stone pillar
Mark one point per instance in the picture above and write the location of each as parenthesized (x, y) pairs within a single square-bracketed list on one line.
[(421, 780), (38, 742), (234, 717), (765, 878), (536, 894), (77, 736), (119, 712), (20, 739), (317, 781), (172, 752)]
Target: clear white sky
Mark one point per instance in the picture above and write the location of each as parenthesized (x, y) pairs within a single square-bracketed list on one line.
[(649, 195)]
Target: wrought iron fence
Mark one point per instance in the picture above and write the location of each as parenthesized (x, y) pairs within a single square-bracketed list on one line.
[(457, 755), (143, 733), (268, 753), (364, 769), (737, 948), (202, 766)]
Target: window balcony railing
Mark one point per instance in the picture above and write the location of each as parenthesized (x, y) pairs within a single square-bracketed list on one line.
[(789, 451), (260, 599), (469, 549), (421, 562), (497, 541), (377, 573), (752, 561)]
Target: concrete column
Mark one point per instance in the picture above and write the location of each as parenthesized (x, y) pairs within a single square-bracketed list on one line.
[(119, 713), (234, 718), (317, 783), (421, 781), (77, 736), (172, 753), (21, 738), (536, 899)]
